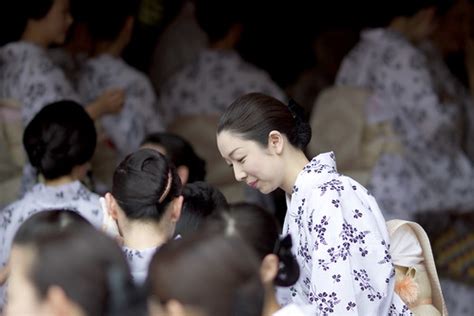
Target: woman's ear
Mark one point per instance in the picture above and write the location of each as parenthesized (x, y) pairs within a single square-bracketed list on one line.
[(269, 268), (177, 205), (183, 173), (112, 206), (275, 142)]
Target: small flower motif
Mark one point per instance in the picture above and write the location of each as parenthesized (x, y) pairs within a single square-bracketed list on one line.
[(335, 203), (357, 214), (350, 306), (336, 278)]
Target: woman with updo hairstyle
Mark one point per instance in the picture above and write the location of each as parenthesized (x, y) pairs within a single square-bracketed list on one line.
[(146, 204), (278, 267), (339, 235), (61, 265), (59, 142)]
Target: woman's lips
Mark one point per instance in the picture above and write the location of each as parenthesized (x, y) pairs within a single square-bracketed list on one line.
[(253, 184)]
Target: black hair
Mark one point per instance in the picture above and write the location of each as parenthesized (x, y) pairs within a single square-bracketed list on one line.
[(15, 16), (116, 13), (181, 153), (201, 200), (226, 268), (260, 229), (216, 18), (70, 253), (253, 116), (61, 136), (144, 183)]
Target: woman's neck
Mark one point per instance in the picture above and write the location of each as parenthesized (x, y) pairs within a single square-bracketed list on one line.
[(60, 181), (296, 162), (271, 305), (32, 34), (140, 235)]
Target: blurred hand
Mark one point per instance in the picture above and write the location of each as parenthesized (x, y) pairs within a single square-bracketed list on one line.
[(111, 101), (4, 272)]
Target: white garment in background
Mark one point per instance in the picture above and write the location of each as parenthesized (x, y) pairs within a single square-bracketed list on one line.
[(29, 76), (211, 83), (138, 116), (432, 173)]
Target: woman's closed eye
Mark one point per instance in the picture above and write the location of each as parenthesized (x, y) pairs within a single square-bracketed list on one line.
[(241, 160)]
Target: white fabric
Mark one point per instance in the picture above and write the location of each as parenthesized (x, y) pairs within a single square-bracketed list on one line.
[(432, 173), (341, 243), (28, 76), (139, 260), (72, 196), (138, 116), (211, 83), (405, 248), (295, 310)]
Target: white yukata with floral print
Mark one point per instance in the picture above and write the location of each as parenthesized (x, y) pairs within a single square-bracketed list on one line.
[(138, 116), (29, 76), (341, 243), (71, 196)]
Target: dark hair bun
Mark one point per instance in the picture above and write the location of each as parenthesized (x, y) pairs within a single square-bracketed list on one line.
[(302, 132), (61, 136), (144, 183)]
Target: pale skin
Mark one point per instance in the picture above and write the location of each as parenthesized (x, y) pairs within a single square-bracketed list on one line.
[(52, 29), (265, 168)]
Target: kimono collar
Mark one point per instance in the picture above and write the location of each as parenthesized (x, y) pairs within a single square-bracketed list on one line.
[(319, 170), (19, 51)]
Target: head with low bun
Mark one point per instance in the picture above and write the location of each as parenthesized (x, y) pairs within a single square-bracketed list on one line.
[(146, 191), (258, 135), (60, 140), (259, 229)]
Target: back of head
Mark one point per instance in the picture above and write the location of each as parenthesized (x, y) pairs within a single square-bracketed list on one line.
[(201, 200), (180, 152), (116, 13), (259, 229), (381, 13), (226, 266), (15, 15), (253, 116), (144, 184), (61, 136), (216, 18), (71, 254)]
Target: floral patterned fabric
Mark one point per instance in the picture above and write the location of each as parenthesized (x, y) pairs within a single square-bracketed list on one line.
[(211, 83), (72, 196), (139, 260), (341, 243), (138, 116), (29, 76), (432, 173)]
